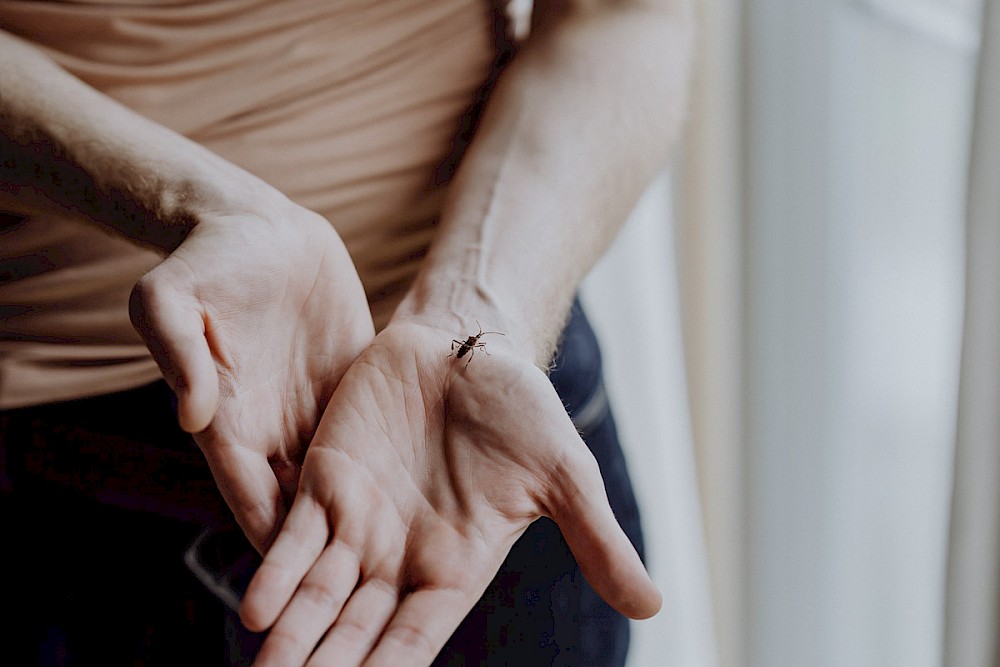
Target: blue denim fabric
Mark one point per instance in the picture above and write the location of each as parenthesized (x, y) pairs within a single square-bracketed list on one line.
[(83, 538)]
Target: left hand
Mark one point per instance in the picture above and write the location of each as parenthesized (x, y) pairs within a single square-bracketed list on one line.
[(253, 320), (422, 474)]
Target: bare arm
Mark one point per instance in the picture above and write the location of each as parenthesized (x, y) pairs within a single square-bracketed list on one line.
[(64, 144), (425, 470), (577, 126), (256, 311)]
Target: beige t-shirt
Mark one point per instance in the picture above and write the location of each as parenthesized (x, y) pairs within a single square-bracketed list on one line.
[(347, 106)]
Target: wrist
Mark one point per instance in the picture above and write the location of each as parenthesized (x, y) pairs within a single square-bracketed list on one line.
[(154, 202), (182, 190), (463, 306), (101, 161), (230, 194)]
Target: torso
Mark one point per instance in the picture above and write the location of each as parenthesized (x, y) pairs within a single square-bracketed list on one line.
[(349, 107)]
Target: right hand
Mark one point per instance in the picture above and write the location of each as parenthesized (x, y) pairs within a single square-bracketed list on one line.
[(424, 471), (253, 320)]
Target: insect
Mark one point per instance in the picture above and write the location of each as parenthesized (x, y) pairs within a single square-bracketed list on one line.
[(469, 345)]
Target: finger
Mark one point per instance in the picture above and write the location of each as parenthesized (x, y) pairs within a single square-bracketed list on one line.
[(355, 632), (174, 331), (250, 489), (606, 556), (299, 544), (313, 609), (424, 622)]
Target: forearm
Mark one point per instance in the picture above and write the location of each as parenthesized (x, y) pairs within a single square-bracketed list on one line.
[(574, 131), (65, 145)]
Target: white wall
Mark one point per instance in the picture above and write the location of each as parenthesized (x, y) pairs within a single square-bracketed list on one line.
[(857, 129)]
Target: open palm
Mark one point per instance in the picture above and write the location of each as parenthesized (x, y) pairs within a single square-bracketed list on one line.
[(421, 476), (253, 322)]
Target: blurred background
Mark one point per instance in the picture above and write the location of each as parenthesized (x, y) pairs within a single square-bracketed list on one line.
[(782, 324)]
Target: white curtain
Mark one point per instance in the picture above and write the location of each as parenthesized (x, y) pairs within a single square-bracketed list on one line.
[(857, 122), (633, 302), (819, 224), (972, 602)]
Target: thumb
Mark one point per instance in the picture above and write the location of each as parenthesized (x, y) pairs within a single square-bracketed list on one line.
[(606, 556), (173, 329), (251, 491)]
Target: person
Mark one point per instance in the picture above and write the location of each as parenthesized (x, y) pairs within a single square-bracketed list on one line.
[(268, 193)]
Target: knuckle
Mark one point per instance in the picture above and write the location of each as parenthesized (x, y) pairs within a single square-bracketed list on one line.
[(139, 297), (258, 522), (148, 288), (285, 642), (411, 637), (353, 632), (321, 595), (273, 575)]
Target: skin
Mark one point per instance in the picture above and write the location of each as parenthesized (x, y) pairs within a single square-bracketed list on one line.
[(420, 471), (246, 271), (400, 524)]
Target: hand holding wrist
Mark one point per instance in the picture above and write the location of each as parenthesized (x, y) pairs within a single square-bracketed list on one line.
[(253, 320)]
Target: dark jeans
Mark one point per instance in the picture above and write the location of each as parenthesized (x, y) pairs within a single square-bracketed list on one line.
[(109, 496)]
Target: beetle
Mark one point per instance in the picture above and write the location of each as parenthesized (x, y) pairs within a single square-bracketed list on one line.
[(469, 345)]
